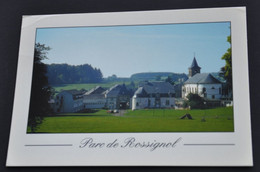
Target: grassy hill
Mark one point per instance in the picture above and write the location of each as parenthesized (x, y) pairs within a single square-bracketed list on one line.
[(85, 86), (154, 75)]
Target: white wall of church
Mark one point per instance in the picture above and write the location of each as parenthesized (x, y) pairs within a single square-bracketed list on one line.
[(213, 91), (190, 88)]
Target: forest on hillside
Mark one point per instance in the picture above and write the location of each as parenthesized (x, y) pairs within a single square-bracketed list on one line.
[(70, 74), (84, 74), (158, 76)]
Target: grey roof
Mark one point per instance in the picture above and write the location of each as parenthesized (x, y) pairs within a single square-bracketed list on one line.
[(194, 63), (75, 92), (141, 92), (202, 78), (156, 87), (117, 90), (96, 90)]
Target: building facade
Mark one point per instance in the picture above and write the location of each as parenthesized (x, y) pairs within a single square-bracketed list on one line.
[(118, 97), (203, 84), (69, 101), (95, 98), (154, 95)]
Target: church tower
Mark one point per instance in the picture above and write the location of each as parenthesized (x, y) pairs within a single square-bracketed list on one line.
[(194, 68)]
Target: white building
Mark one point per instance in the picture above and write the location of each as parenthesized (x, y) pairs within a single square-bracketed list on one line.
[(154, 95), (203, 84), (95, 98), (69, 101), (118, 97)]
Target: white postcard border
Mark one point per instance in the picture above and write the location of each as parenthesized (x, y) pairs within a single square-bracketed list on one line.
[(191, 149)]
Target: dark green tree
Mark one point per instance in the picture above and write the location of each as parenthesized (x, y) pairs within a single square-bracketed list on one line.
[(112, 78), (40, 90), (226, 71), (194, 101), (158, 78), (170, 80), (132, 85)]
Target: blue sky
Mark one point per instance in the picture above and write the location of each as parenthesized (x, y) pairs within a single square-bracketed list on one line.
[(125, 50)]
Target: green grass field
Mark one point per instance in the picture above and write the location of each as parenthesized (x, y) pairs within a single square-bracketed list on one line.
[(157, 120), (85, 86)]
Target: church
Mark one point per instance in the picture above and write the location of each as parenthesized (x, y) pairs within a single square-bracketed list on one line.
[(203, 84)]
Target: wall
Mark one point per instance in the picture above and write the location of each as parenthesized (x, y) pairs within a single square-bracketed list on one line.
[(198, 89), (94, 102)]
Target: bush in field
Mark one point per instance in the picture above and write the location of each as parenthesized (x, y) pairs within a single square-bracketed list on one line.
[(194, 101)]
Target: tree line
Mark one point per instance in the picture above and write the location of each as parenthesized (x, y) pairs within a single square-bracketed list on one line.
[(158, 76), (70, 74)]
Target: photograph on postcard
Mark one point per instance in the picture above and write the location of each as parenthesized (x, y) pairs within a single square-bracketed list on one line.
[(132, 78), (157, 88)]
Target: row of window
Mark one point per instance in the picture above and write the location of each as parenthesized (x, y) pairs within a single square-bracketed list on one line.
[(195, 90), (77, 104), (167, 103), (95, 103)]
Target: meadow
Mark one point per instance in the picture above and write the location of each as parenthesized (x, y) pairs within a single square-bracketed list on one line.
[(145, 120), (85, 86)]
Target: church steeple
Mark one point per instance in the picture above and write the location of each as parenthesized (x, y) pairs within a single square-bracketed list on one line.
[(194, 68)]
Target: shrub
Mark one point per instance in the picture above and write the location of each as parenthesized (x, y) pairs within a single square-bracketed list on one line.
[(194, 101)]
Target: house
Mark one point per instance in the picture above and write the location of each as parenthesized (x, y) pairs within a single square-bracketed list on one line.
[(118, 97), (154, 95), (95, 98), (203, 84), (178, 87), (69, 101)]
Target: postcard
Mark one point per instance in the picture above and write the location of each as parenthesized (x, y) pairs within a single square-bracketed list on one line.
[(146, 88)]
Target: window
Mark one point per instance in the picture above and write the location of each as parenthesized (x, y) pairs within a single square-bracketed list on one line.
[(137, 104), (213, 88), (219, 90), (167, 102), (213, 96), (204, 90)]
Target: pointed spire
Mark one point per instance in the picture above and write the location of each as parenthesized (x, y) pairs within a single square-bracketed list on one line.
[(194, 68), (194, 63)]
